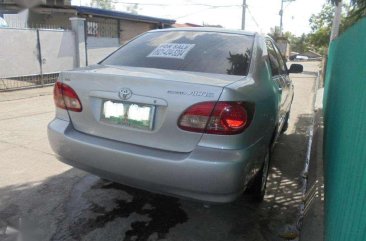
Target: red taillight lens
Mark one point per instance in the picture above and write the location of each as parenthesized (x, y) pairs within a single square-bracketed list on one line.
[(66, 98), (195, 118), (222, 118)]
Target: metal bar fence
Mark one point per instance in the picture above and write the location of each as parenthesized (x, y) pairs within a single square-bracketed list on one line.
[(102, 27), (14, 23), (30, 81)]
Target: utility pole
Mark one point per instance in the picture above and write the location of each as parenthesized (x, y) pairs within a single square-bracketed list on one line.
[(281, 19), (336, 21), (243, 14), (281, 15)]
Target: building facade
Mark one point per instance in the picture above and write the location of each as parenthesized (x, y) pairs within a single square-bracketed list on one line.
[(101, 23)]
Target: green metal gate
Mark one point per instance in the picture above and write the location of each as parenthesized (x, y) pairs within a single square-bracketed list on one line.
[(345, 137)]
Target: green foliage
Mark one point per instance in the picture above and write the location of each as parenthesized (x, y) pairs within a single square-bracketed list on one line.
[(319, 40), (323, 19), (134, 8), (353, 2), (275, 33), (357, 11), (354, 15), (321, 23), (300, 44), (104, 4)]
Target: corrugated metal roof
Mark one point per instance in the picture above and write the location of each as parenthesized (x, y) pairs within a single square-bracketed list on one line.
[(122, 15)]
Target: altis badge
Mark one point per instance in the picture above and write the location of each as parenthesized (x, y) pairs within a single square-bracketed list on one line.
[(191, 93)]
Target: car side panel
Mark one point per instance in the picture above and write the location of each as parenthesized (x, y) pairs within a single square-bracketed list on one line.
[(260, 89)]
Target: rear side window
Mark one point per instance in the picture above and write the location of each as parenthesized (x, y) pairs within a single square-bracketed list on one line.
[(272, 55), (207, 52), (281, 61)]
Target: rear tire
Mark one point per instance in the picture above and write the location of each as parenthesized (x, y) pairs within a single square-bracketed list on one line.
[(285, 125), (258, 187)]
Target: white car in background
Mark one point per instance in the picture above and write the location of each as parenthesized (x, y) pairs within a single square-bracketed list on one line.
[(301, 58)]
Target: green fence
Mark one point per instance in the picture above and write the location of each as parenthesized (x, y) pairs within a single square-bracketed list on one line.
[(345, 137)]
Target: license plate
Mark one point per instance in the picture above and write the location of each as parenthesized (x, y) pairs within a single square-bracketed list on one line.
[(131, 115)]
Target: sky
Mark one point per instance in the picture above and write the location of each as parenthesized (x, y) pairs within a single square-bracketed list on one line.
[(262, 15)]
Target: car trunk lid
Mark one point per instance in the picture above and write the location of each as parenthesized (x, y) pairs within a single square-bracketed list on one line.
[(167, 92)]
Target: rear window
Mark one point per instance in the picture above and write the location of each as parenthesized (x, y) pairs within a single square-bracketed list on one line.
[(207, 52)]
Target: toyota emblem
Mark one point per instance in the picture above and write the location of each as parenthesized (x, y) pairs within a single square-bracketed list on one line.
[(125, 93)]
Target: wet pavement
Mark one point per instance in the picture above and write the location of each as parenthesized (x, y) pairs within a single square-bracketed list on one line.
[(43, 199)]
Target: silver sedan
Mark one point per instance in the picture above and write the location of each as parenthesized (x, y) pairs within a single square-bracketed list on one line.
[(192, 113)]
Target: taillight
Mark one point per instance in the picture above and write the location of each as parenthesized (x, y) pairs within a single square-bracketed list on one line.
[(222, 118), (66, 98)]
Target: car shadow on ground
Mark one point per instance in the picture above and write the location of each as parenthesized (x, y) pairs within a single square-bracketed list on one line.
[(79, 206)]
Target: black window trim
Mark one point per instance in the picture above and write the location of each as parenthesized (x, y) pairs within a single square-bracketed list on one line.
[(280, 57), (268, 58)]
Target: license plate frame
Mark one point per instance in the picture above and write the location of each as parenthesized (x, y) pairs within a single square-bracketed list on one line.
[(128, 114)]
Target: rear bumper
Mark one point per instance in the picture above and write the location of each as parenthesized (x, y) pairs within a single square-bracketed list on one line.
[(206, 174)]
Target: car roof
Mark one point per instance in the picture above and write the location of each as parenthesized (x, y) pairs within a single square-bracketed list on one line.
[(207, 29)]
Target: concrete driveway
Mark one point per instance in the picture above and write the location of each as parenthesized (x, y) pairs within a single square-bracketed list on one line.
[(48, 200)]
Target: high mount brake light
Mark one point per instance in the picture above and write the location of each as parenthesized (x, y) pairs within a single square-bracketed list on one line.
[(66, 98), (221, 118)]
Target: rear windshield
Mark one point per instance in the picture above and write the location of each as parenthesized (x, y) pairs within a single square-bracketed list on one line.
[(208, 52)]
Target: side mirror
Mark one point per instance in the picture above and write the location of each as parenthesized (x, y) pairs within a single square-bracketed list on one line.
[(296, 69)]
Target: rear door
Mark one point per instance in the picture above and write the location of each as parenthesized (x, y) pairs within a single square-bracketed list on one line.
[(286, 79), (277, 77)]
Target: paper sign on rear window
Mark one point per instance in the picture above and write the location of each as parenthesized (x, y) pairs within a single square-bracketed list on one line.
[(172, 50)]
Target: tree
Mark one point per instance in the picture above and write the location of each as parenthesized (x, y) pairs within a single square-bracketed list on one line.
[(359, 3), (275, 33), (300, 44), (323, 19), (321, 25), (104, 4), (134, 8), (356, 12)]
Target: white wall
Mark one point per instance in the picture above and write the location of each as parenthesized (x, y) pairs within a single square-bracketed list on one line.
[(18, 20), (58, 50), (97, 55), (19, 54), (100, 47)]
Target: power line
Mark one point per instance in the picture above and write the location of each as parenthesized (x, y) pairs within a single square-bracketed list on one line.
[(202, 10), (175, 4), (208, 7), (254, 20), (196, 12)]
